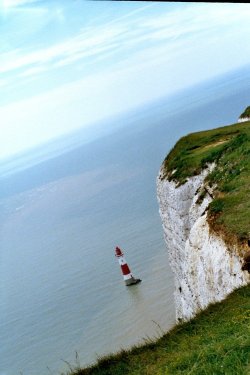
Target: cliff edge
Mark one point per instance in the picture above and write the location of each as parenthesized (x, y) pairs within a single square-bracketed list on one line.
[(203, 190)]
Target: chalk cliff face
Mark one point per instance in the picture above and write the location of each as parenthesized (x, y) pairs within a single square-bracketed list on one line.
[(205, 269), (244, 119)]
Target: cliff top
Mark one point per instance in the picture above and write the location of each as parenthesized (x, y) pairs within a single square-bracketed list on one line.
[(229, 148), (246, 113)]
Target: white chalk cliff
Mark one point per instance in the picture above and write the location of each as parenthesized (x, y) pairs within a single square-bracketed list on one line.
[(243, 119), (205, 269)]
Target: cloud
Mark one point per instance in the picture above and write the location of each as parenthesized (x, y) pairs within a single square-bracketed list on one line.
[(128, 34), (33, 71), (9, 8), (138, 57), (89, 41), (83, 45), (137, 37), (16, 3), (3, 82)]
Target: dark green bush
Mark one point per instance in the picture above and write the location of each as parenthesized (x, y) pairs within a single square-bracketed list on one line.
[(216, 205)]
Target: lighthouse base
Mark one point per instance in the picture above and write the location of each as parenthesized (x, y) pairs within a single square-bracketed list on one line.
[(132, 281)]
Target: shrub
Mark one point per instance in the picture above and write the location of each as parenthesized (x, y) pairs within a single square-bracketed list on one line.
[(216, 206)]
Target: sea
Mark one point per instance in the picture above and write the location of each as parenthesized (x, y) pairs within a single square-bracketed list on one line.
[(65, 207)]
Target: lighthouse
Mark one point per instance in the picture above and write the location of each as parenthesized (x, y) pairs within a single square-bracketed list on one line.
[(127, 275)]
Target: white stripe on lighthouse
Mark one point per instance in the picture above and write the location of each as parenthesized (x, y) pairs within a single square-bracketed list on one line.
[(127, 277)]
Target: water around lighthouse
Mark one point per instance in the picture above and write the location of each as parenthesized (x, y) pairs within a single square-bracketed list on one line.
[(62, 288)]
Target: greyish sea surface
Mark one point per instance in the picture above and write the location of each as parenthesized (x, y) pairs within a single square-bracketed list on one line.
[(61, 286)]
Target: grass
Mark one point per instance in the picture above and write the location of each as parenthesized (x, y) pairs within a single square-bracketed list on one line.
[(229, 148), (217, 341)]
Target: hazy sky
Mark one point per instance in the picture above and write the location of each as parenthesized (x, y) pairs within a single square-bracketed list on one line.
[(66, 64)]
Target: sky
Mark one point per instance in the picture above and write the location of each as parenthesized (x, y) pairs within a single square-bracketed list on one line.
[(65, 65)]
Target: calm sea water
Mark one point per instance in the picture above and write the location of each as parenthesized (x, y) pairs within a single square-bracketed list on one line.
[(61, 287)]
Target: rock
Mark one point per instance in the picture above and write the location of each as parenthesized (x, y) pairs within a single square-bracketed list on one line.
[(205, 269)]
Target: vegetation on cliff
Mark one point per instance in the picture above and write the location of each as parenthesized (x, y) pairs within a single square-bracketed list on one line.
[(229, 148), (215, 342), (246, 113)]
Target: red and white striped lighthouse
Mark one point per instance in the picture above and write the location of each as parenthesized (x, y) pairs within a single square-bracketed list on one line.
[(127, 275)]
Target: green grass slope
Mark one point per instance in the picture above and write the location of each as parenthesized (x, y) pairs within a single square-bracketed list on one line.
[(216, 342), (229, 148)]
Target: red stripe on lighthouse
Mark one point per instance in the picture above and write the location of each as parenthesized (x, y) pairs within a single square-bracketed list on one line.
[(125, 269)]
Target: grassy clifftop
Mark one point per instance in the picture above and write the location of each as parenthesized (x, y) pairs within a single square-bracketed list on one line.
[(215, 342), (229, 148), (246, 113)]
